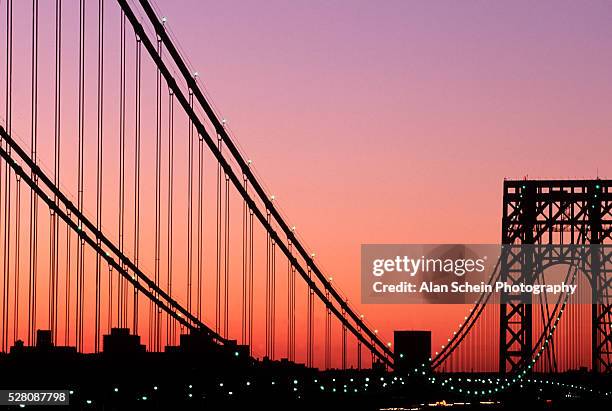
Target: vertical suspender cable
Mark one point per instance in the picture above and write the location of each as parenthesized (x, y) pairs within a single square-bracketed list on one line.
[(309, 337), (80, 256), (251, 275), (293, 269), (227, 259), (7, 179), (344, 343), (124, 288), (5, 271), (190, 210), (170, 321), (137, 179), (67, 286), (33, 197), (272, 298), (218, 284), (109, 320), (58, 158), (53, 291), (358, 349), (327, 334), (244, 266), (289, 303), (51, 264), (268, 288), (154, 319), (311, 330), (199, 224), (99, 164), (121, 282), (17, 248)]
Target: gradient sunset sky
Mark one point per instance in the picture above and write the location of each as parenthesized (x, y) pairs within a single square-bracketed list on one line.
[(371, 121)]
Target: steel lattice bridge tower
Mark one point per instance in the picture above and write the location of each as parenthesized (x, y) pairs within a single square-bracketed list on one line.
[(555, 212)]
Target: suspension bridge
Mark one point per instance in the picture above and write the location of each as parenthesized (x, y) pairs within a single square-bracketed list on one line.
[(123, 218)]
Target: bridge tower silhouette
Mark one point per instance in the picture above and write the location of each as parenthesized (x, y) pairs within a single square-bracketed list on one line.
[(555, 212)]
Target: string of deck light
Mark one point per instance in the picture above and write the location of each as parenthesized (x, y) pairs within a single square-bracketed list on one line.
[(520, 375), (349, 385)]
